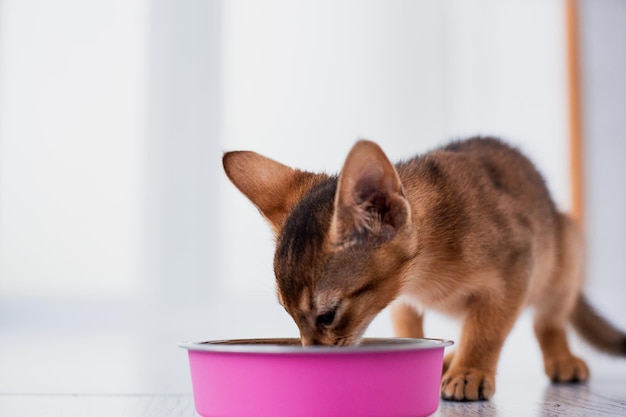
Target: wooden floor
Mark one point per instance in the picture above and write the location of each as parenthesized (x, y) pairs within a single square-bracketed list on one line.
[(595, 399), (109, 362)]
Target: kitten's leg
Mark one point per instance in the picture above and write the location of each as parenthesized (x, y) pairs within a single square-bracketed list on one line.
[(447, 360), (554, 307), (407, 321), (471, 370), (559, 363)]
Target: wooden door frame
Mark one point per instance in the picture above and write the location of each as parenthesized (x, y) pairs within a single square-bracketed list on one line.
[(575, 110)]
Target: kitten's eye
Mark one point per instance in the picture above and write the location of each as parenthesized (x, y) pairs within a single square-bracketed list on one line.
[(326, 319)]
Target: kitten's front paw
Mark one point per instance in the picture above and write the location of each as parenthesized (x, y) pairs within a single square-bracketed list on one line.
[(566, 368), (467, 385)]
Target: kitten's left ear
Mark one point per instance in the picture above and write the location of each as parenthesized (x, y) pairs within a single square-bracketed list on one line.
[(370, 202)]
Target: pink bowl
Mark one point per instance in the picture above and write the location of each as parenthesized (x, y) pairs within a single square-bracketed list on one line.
[(279, 378)]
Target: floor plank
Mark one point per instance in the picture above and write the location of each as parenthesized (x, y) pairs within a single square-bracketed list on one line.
[(157, 405)]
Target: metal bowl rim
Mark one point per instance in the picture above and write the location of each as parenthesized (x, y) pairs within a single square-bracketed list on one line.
[(291, 346)]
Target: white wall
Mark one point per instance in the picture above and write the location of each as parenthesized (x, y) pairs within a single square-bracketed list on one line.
[(603, 35), (182, 152), (71, 141)]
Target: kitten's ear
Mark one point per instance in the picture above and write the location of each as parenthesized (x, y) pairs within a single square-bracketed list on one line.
[(272, 187), (370, 201)]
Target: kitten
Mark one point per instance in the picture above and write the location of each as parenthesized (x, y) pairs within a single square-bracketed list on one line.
[(468, 229)]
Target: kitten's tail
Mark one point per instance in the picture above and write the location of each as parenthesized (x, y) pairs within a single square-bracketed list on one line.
[(597, 330)]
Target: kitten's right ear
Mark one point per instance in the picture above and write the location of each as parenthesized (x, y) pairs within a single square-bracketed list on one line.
[(370, 201), (272, 187)]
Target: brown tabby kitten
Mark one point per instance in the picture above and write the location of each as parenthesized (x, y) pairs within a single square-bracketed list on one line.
[(468, 229)]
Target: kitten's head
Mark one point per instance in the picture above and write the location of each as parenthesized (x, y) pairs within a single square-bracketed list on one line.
[(341, 242)]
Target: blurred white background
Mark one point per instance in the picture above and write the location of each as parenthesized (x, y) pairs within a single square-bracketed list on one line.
[(115, 213)]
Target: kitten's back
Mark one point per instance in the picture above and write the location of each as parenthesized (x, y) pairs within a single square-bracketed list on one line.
[(476, 197)]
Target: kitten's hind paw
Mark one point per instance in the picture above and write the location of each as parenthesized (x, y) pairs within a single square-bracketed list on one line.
[(566, 368), (467, 385)]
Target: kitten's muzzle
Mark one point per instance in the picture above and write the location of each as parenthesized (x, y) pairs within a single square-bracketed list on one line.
[(309, 341)]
